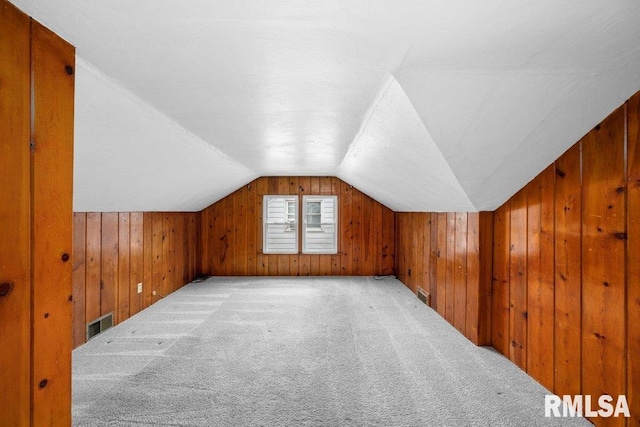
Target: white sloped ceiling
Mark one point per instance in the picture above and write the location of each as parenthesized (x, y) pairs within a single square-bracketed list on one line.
[(427, 105)]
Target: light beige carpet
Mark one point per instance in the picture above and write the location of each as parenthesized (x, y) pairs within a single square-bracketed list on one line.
[(297, 352)]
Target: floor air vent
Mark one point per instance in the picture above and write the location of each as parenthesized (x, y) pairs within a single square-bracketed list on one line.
[(99, 325), (424, 297)]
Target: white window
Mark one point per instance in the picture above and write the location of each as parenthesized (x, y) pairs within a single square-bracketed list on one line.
[(291, 206), (313, 210), (320, 224), (280, 225)]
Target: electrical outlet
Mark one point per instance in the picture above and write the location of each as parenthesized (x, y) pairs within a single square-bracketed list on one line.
[(139, 288)]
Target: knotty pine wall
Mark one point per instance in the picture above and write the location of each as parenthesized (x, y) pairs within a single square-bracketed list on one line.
[(448, 255), (566, 294), (113, 252), (231, 233), (36, 181)]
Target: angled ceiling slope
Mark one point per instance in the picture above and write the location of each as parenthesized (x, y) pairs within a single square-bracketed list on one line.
[(425, 105)]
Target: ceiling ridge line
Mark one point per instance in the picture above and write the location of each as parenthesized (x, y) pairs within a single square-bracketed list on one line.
[(426, 129), (373, 107)]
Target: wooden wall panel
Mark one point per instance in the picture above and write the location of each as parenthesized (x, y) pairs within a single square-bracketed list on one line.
[(441, 265), (36, 221), (52, 62), (124, 255), (603, 258), (157, 268), (518, 280), (413, 242), (568, 274), (483, 317), (123, 249), (450, 267), (79, 274), (136, 262), (460, 272), (500, 326), (93, 262), (147, 254), (387, 260), (166, 272), (580, 249), (633, 258), (432, 272), (540, 247), (345, 211), (15, 214), (401, 241), (235, 223), (451, 253), (109, 264)]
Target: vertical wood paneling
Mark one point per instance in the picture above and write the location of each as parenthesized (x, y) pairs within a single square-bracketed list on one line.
[(633, 258), (368, 255), (346, 234), (376, 235), (124, 255), (166, 266), (540, 287), (148, 259), (568, 281), (425, 253), (136, 262), (109, 264), (500, 329), (433, 248), (193, 245), (450, 267), (562, 258), (388, 241), (179, 251), (400, 265), (433, 259), (262, 263), (603, 258), (441, 267), (240, 266), (250, 223), (460, 272), (485, 252), (156, 251), (79, 274), (304, 260), (15, 213), (365, 237), (93, 266), (356, 221), (52, 225), (473, 285), (151, 248), (518, 280), (325, 260)]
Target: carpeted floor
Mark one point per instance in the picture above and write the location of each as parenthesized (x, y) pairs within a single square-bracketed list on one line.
[(297, 352)]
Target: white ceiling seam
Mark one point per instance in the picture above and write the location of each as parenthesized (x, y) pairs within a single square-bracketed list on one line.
[(395, 144), (367, 117)]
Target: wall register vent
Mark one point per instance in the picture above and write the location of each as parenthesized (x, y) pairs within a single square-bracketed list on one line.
[(99, 325), (425, 297)]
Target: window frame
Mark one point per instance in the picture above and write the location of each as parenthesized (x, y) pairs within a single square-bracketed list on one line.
[(315, 228), (289, 227), (323, 223)]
